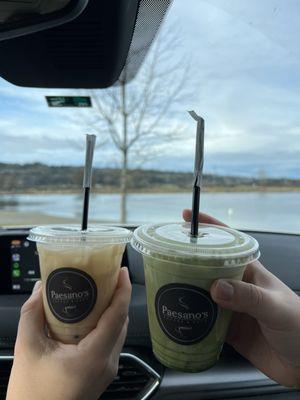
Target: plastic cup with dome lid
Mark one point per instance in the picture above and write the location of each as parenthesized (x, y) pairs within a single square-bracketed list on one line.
[(79, 271), (187, 327)]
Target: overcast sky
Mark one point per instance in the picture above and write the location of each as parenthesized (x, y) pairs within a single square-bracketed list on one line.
[(245, 82)]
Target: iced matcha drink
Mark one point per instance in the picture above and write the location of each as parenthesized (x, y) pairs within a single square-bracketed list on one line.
[(79, 271), (187, 327)]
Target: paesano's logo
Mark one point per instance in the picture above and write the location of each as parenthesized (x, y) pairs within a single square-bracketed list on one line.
[(71, 294), (62, 297), (174, 314), (186, 313)]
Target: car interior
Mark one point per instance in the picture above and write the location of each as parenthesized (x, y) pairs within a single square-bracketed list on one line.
[(90, 45)]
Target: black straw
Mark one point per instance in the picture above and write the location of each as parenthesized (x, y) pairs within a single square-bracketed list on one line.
[(195, 211), (87, 179), (85, 214), (197, 172)]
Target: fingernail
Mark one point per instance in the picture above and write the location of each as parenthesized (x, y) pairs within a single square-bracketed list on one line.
[(224, 290), (36, 286)]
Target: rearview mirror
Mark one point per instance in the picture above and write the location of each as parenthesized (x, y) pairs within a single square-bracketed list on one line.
[(19, 18)]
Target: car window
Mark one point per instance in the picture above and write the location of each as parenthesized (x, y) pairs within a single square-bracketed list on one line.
[(235, 62)]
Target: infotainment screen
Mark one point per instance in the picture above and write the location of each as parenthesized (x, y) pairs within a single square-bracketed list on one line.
[(24, 264)]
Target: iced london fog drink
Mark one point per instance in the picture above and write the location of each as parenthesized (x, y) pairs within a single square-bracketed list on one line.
[(79, 271), (187, 327)]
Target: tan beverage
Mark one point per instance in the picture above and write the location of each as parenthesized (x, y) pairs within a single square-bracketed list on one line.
[(79, 271)]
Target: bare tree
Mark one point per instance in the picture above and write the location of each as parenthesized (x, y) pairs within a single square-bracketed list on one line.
[(139, 116)]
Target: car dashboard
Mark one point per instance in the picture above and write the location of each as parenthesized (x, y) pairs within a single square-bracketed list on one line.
[(140, 375)]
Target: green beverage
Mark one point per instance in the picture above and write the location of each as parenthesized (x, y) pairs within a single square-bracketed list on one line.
[(187, 327)]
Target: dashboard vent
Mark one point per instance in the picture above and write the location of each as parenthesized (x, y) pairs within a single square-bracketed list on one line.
[(135, 380), (5, 367)]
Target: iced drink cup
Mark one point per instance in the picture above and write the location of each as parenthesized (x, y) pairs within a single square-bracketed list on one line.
[(187, 327), (79, 271)]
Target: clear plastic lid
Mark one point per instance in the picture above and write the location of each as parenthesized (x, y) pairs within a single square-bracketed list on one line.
[(70, 235), (174, 242)]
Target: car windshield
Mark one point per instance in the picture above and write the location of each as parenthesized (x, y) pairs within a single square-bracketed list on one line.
[(235, 62)]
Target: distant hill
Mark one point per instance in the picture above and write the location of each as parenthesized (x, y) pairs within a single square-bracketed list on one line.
[(15, 178)]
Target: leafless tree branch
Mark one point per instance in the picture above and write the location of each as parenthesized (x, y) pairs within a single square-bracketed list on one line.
[(134, 124)]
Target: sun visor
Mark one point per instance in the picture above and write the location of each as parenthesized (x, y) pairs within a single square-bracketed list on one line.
[(92, 51)]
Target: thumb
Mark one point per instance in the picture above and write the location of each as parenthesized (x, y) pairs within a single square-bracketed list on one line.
[(246, 298), (32, 319)]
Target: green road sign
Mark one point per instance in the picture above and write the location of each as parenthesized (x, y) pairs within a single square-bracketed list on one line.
[(69, 101)]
